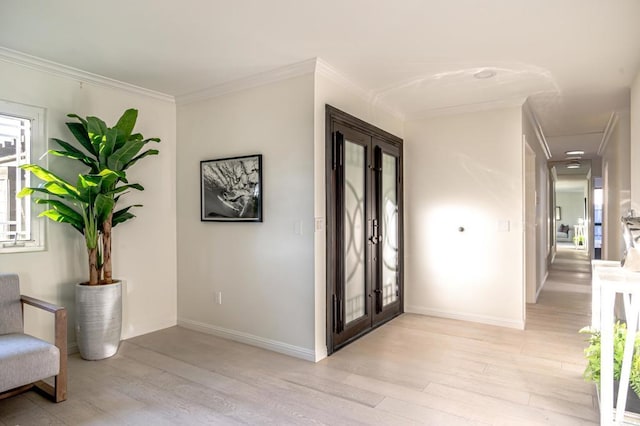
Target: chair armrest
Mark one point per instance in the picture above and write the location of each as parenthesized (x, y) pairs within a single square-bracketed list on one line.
[(60, 314), (41, 304), (59, 391)]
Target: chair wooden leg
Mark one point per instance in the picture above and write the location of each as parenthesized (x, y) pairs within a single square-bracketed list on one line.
[(60, 393), (16, 391)]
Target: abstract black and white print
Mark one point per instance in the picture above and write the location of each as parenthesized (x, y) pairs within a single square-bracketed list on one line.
[(231, 189)]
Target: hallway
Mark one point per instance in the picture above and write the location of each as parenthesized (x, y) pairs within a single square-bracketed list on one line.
[(455, 372), (414, 370)]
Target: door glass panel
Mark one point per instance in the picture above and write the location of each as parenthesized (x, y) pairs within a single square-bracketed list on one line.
[(389, 230), (354, 241)]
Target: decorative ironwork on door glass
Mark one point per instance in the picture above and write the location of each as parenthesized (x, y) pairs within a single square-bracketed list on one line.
[(354, 241)]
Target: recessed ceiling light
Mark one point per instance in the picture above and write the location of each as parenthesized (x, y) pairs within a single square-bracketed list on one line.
[(484, 74), (573, 165), (575, 152)]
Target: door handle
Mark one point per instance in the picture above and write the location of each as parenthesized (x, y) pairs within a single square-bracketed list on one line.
[(375, 237)]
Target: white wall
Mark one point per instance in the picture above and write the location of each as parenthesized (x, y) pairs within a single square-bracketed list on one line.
[(635, 144), (571, 207), (542, 220), (265, 271), (332, 91), (530, 238), (465, 171), (616, 185), (144, 249)]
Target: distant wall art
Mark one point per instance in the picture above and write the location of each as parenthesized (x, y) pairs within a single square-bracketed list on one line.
[(231, 189)]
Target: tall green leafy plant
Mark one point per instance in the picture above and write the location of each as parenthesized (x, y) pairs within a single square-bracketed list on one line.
[(83, 206), (111, 151), (114, 148)]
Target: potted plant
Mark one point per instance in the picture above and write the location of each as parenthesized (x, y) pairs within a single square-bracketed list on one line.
[(89, 206), (593, 356)]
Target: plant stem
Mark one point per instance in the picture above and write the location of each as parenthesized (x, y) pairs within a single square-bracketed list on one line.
[(106, 250), (93, 266)]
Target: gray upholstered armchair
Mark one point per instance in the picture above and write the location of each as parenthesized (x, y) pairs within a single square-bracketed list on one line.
[(26, 360)]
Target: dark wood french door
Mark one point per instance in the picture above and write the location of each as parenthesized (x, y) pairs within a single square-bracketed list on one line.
[(364, 228)]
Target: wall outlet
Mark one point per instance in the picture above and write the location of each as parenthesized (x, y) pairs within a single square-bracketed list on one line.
[(219, 298)]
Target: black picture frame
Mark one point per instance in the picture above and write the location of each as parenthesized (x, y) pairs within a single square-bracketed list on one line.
[(231, 189)]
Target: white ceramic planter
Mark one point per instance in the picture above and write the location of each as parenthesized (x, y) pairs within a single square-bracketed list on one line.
[(98, 320)]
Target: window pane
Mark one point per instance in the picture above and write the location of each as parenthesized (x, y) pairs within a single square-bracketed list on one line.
[(15, 140), (389, 230)]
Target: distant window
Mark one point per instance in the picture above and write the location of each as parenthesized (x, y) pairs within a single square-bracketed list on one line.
[(22, 141)]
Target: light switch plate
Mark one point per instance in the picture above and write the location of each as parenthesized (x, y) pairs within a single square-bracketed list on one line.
[(504, 226)]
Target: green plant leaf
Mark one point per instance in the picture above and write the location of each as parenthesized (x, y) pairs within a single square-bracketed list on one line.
[(91, 163), (30, 191), (62, 208), (123, 215), (63, 213), (104, 206), (79, 130), (44, 174), (82, 120), (62, 190), (125, 126), (125, 187), (56, 216), (107, 145), (55, 184), (109, 179), (68, 147), (144, 154), (122, 156), (96, 129)]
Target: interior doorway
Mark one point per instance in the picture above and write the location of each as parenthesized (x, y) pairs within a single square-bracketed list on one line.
[(598, 205), (364, 228), (573, 210)]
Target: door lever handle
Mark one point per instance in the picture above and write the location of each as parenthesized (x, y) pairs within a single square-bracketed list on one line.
[(375, 237)]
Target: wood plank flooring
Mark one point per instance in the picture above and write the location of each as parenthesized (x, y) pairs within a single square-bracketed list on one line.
[(415, 370)]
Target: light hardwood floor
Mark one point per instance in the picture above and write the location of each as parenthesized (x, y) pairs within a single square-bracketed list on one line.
[(415, 370)]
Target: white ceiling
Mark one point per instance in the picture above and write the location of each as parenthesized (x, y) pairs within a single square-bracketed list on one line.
[(574, 59)]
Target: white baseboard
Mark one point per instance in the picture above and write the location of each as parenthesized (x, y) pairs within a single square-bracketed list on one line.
[(146, 327), (544, 281), (321, 354), (464, 316), (249, 339)]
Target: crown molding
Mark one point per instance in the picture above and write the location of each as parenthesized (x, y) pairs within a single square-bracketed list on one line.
[(535, 123), (326, 70), (613, 120), (309, 66), (467, 108), (54, 68), (267, 77)]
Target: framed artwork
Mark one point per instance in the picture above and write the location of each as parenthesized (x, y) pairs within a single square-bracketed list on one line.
[(231, 189), (558, 213)]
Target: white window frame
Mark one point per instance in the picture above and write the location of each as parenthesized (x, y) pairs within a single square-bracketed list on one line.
[(37, 151)]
